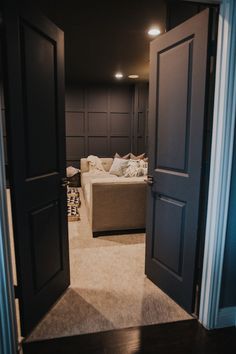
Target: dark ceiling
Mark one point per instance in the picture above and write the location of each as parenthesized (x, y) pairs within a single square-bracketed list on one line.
[(102, 37)]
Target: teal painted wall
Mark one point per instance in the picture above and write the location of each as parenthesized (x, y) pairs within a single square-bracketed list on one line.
[(228, 287)]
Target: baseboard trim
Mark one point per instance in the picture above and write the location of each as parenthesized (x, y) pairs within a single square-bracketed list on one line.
[(117, 232), (226, 317)]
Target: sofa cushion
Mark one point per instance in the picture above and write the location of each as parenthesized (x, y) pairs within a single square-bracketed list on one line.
[(118, 167), (106, 163), (88, 177)]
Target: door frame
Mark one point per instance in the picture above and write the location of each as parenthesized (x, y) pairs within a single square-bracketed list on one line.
[(218, 197), (224, 116), (8, 325)]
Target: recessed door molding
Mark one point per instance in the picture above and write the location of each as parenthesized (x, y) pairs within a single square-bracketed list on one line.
[(220, 170)]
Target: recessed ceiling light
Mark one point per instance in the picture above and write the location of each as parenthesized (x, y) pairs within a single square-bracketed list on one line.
[(154, 31), (133, 76), (119, 75)]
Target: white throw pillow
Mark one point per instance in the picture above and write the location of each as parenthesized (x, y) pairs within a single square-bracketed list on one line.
[(118, 166), (126, 157), (71, 171)]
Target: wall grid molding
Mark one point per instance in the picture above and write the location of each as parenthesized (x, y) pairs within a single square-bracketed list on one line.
[(102, 120)]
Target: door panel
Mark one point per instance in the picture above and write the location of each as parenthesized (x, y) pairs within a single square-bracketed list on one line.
[(173, 105), (40, 109), (36, 145), (44, 222), (169, 233), (178, 63)]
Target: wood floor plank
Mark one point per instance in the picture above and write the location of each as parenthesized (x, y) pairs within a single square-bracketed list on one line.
[(184, 337)]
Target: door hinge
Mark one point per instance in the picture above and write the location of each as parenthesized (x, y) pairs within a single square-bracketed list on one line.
[(196, 304), (16, 291)]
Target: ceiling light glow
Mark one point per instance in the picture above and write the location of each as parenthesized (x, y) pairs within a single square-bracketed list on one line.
[(133, 76), (119, 75), (154, 31)]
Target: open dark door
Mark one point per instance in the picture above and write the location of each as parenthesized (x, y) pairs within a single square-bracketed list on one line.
[(176, 125), (36, 147)]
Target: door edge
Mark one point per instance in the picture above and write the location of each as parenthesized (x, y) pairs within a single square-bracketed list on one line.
[(221, 166)]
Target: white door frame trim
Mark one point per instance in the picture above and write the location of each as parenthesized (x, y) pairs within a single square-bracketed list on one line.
[(221, 165), (8, 326)]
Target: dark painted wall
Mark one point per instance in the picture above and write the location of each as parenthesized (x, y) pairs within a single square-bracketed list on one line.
[(2, 113), (228, 288), (4, 126), (180, 11), (103, 120)]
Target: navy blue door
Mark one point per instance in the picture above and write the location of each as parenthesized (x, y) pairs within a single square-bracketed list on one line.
[(36, 149), (178, 64)]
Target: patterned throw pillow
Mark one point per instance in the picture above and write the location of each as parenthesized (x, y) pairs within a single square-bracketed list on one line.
[(133, 169), (136, 168), (144, 163)]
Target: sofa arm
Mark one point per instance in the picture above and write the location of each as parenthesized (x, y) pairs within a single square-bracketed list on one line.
[(118, 206)]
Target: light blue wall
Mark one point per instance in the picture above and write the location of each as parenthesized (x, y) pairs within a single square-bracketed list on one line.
[(228, 288)]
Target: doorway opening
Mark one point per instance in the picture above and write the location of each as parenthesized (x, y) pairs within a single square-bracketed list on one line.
[(107, 269)]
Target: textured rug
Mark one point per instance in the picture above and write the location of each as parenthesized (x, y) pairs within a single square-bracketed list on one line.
[(73, 204), (109, 289)]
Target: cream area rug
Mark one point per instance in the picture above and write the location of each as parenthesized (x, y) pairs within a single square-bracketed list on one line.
[(109, 289)]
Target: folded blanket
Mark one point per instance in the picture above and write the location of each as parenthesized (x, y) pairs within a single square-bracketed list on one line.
[(95, 164)]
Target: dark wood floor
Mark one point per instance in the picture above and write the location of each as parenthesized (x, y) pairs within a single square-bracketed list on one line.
[(185, 337)]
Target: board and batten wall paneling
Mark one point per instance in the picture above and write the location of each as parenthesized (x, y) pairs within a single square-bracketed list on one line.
[(140, 138), (102, 120)]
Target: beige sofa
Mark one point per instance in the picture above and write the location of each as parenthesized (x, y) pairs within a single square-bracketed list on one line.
[(114, 204)]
